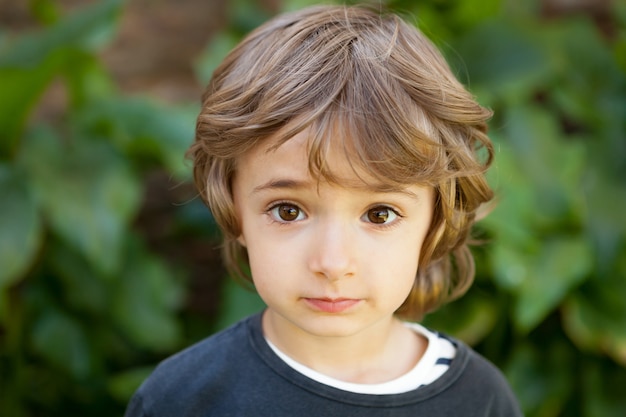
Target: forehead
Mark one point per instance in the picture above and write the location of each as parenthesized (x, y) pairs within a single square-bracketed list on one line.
[(322, 156), (294, 157), (271, 168)]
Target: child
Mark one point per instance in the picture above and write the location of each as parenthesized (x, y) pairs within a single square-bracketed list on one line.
[(341, 158)]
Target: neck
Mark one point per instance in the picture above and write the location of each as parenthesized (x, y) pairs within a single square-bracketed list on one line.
[(379, 353)]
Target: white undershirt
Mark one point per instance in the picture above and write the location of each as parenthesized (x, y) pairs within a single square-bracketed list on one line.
[(435, 361)]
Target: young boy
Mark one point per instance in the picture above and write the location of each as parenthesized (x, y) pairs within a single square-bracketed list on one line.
[(341, 158)]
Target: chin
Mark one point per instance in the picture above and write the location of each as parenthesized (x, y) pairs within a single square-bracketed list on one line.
[(331, 326)]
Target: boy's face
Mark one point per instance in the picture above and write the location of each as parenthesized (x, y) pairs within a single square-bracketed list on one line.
[(328, 260)]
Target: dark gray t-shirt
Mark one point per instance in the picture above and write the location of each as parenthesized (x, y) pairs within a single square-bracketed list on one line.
[(236, 373)]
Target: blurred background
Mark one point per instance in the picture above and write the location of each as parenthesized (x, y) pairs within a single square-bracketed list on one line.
[(109, 262)]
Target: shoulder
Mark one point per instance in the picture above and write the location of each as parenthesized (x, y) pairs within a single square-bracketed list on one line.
[(481, 385), (480, 369), (209, 352), (205, 367)]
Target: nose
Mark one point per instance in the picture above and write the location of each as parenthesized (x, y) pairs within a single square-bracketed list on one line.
[(333, 250)]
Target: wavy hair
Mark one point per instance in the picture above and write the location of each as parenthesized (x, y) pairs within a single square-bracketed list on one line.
[(404, 117)]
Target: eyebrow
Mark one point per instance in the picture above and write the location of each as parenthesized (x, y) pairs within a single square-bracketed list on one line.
[(293, 184), (281, 184)]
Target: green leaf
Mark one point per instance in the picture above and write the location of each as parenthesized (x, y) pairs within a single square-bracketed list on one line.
[(470, 13), (83, 288), (89, 194), (123, 385), (238, 302), (588, 88), (603, 391), (595, 318), (44, 11), (510, 266), (28, 65), (20, 227), (62, 342), (293, 5), (145, 301), (560, 266), (596, 72), (20, 89), (470, 318), (246, 15), (605, 220), (515, 205), (537, 143), (86, 29), (216, 50), (620, 51), (542, 379), (500, 56), (144, 130), (86, 80)]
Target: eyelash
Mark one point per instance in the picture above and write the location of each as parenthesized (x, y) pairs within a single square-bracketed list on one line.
[(387, 225), (276, 218)]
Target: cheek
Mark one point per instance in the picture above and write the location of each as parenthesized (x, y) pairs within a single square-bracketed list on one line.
[(261, 277), (269, 263), (404, 260), (405, 270)]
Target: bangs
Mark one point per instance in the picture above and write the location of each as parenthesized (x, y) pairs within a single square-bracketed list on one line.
[(376, 148), (377, 126)]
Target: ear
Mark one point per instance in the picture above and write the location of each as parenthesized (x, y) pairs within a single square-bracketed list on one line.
[(241, 240)]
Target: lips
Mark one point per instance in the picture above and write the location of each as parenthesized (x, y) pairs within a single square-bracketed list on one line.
[(332, 305)]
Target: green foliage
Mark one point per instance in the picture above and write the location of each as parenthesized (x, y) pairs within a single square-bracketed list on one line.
[(87, 307)]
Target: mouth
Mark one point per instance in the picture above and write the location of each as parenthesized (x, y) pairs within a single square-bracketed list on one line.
[(332, 305)]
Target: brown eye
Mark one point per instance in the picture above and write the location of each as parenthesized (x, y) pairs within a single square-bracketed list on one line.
[(286, 212), (380, 215)]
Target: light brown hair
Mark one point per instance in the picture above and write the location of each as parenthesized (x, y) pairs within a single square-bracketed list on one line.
[(404, 118)]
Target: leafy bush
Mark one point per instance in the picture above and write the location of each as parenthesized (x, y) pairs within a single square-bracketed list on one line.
[(88, 306), (84, 304)]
